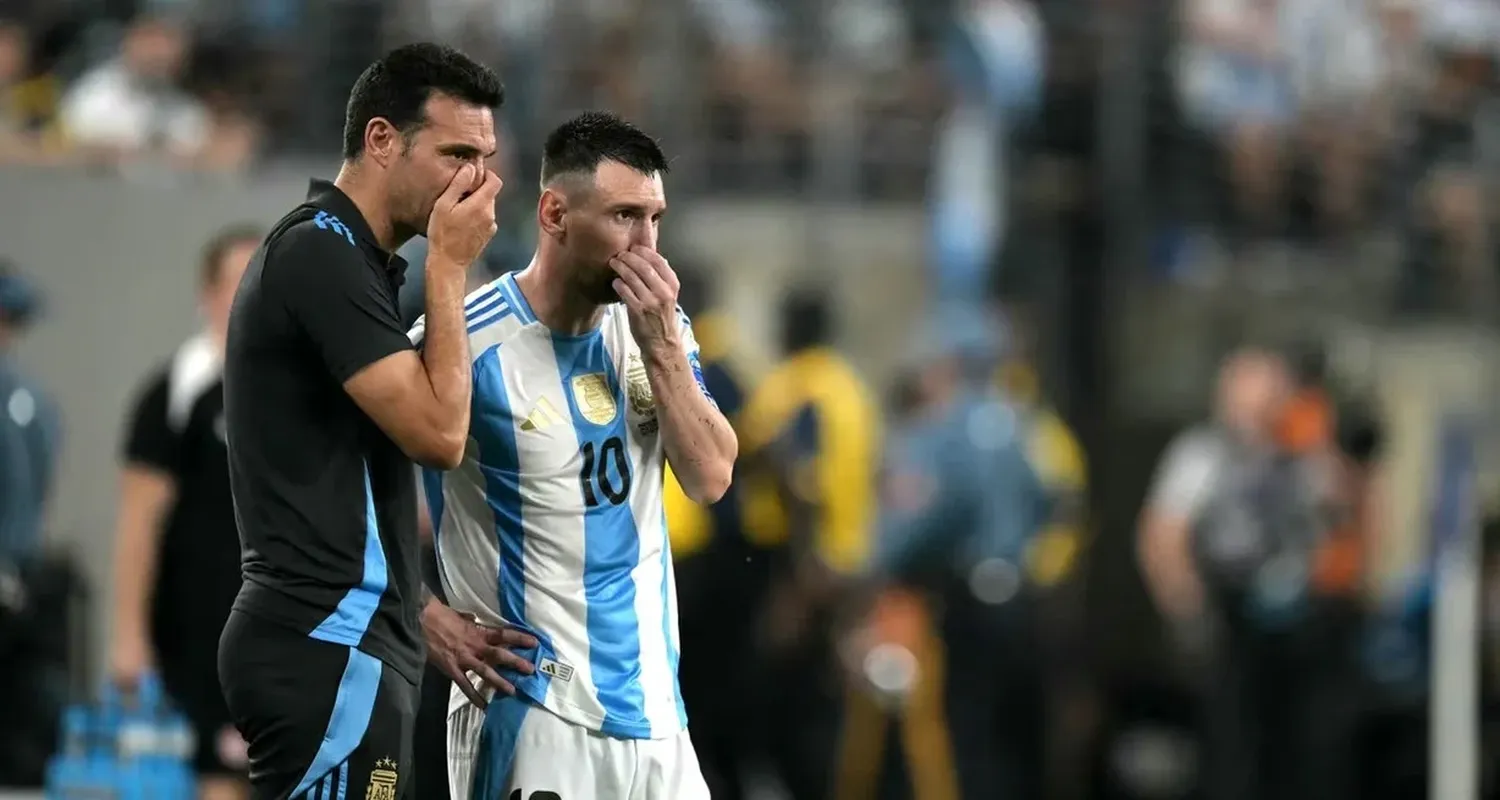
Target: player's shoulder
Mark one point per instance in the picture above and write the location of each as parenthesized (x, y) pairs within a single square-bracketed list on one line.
[(492, 317)]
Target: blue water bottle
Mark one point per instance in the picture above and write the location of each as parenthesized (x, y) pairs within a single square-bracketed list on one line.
[(68, 771)]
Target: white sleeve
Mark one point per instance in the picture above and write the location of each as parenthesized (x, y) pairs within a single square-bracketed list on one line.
[(1185, 475), (186, 125)]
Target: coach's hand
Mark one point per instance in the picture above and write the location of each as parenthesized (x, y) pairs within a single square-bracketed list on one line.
[(649, 287), (463, 219), (458, 645)]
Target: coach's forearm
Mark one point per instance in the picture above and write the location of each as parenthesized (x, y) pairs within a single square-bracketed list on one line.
[(446, 348), (700, 444)]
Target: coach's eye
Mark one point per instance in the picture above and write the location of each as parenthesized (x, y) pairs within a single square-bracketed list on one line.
[(625, 215)]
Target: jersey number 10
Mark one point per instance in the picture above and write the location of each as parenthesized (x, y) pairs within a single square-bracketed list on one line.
[(595, 473)]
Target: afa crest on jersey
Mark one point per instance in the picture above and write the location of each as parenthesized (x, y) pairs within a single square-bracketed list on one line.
[(596, 403), (383, 780), (638, 394)]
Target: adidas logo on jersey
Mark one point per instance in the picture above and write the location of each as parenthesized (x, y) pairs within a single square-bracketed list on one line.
[(543, 415), (562, 672)]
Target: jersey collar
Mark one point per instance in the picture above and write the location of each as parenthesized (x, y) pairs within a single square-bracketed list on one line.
[(326, 195)]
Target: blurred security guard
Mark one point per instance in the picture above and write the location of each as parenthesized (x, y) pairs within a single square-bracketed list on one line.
[(177, 557), (714, 590), (1228, 545), (811, 432), (961, 494), (28, 428)]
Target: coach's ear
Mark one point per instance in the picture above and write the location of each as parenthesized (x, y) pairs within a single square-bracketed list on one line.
[(552, 214), (382, 141)]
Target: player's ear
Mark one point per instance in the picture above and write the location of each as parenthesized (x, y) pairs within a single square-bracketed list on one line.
[(552, 213), (383, 141)]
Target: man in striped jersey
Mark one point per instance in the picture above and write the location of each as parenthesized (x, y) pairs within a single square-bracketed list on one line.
[(586, 384)]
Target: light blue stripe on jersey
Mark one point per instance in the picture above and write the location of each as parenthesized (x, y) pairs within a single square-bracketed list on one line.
[(496, 755), (674, 656), (611, 547), (353, 705), (492, 429), (349, 621), (516, 299), (486, 313)]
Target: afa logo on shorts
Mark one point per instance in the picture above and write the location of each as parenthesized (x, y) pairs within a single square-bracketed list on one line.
[(383, 781)]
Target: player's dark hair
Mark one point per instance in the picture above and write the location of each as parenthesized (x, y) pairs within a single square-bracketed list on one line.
[(584, 142), (398, 85), (211, 263)]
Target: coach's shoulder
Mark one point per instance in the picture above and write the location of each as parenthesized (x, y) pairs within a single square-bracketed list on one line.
[(313, 250), (321, 236)]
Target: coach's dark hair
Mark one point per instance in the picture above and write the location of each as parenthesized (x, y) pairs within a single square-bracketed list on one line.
[(397, 87), (211, 264), (584, 142)]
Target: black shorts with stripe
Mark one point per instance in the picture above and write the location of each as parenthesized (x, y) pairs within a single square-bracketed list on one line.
[(323, 721)]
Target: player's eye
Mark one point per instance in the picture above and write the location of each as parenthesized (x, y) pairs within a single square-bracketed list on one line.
[(625, 215)]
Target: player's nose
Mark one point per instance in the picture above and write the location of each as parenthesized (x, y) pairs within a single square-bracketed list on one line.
[(644, 236)]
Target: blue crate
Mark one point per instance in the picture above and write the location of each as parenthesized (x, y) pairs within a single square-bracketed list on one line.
[(135, 748)]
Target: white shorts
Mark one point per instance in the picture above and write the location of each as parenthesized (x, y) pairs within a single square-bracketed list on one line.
[(541, 756)]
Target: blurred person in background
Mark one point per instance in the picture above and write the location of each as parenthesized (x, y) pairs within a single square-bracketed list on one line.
[(1052, 562), (28, 101), (1228, 543), (960, 505), (1234, 82), (132, 105), (1449, 263), (996, 56), (810, 444), (712, 564), (1340, 61), (177, 559), (29, 428), (894, 740)]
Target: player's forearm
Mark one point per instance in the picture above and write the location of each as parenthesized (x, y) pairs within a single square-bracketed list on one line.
[(446, 351), (699, 443)]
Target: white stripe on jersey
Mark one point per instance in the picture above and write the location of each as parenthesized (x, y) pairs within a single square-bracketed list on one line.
[(554, 521)]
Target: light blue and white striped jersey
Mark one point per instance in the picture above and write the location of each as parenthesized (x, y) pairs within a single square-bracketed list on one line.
[(554, 521)]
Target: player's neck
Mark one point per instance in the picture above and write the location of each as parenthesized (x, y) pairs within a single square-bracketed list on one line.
[(370, 200), (555, 306)]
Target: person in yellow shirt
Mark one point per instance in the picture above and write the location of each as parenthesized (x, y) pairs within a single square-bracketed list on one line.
[(810, 446), (714, 585)]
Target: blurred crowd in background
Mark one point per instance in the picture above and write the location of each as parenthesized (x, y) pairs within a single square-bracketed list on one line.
[(1139, 477)]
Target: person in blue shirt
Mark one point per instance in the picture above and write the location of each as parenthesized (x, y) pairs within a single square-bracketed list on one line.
[(961, 503), (29, 428)]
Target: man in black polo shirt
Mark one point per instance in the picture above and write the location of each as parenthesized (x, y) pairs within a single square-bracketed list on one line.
[(328, 405), (177, 557)]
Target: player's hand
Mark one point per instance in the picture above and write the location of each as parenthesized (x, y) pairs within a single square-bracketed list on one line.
[(459, 645), (648, 286), (463, 219)]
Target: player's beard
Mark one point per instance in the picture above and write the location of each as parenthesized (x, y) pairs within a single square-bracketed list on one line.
[(597, 285)]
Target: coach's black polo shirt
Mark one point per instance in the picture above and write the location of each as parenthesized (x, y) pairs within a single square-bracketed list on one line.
[(326, 502)]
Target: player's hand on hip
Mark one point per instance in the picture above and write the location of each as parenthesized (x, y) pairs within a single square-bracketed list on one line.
[(463, 219), (458, 645), (648, 287)]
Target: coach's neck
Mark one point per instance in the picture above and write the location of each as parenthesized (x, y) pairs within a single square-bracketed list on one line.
[(366, 187)]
